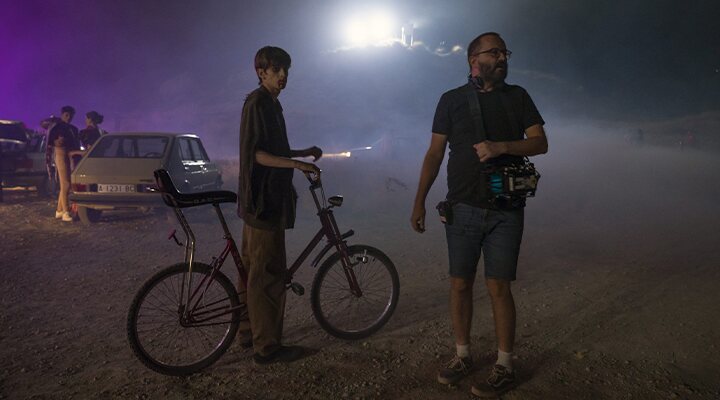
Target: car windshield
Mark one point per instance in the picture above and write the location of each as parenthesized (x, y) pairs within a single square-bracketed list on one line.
[(12, 133), (129, 147)]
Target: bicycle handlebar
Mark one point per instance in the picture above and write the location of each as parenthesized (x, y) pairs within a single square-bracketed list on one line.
[(313, 178)]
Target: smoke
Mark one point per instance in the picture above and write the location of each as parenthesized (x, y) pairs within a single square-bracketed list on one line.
[(187, 68)]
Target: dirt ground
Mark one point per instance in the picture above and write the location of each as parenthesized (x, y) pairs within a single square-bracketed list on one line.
[(617, 291)]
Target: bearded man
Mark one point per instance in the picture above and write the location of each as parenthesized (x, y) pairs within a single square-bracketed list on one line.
[(486, 123)]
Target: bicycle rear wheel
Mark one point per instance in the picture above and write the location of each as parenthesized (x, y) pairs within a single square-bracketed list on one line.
[(154, 328), (342, 313)]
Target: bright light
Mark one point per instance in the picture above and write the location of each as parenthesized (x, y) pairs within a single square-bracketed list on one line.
[(361, 148), (371, 29), (344, 154)]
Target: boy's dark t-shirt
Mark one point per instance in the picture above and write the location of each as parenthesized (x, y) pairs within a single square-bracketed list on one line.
[(266, 197), (466, 181), (61, 134)]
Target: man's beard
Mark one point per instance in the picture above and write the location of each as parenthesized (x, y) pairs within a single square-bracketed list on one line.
[(491, 73)]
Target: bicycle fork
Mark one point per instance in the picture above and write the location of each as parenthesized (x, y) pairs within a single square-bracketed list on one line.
[(331, 228), (349, 271)]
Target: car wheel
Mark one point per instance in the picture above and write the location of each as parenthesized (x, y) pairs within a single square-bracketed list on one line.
[(88, 215)]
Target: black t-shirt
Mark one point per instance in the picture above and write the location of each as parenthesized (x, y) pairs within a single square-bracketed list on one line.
[(68, 135), (507, 112), (89, 136), (266, 197)]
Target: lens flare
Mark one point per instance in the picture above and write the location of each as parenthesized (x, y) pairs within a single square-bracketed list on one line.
[(371, 29)]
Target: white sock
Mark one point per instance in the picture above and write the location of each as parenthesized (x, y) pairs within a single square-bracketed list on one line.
[(463, 350), (505, 359)]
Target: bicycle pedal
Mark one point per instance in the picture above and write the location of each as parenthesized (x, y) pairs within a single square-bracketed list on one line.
[(297, 288)]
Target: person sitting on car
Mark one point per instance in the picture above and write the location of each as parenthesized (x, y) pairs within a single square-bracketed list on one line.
[(62, 139)]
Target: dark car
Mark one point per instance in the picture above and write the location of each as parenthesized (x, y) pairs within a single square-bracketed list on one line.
[(22, 158)]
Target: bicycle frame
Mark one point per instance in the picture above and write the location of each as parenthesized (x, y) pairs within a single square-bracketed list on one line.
[(328, 229), (230, 248)]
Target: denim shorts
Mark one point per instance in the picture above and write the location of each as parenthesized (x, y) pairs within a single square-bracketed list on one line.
[(493, 233)]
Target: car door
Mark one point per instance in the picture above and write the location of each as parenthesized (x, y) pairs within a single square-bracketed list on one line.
[(207, 176), (191, 169)]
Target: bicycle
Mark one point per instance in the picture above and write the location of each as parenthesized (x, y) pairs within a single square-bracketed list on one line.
[(186, 316)]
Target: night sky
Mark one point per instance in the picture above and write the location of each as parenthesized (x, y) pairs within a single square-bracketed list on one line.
[(187, 65)]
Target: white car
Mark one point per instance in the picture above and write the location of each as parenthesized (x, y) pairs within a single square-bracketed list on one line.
[(117, 173)]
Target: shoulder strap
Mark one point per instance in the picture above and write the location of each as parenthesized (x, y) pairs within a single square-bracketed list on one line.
[(475, 112)]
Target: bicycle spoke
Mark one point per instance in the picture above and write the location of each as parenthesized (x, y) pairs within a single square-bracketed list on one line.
[(339, 309), (163, 311), (157, 327), (162, 300)]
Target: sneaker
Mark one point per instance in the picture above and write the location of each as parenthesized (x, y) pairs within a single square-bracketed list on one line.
[(457, 368), (58, 214), (66, 217), (500, 381), (282, 354)]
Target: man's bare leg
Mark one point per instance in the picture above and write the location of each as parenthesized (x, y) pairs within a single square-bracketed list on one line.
[(461, 308), (503, 313), (502, 376)]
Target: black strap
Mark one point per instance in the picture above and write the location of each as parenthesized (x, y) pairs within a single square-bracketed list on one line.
[(475, 112)]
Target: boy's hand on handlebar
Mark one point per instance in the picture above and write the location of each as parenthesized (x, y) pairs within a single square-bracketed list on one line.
[(308, 168), (312, 177)]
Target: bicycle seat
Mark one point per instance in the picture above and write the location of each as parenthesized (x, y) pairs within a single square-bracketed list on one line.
[(173, 198)]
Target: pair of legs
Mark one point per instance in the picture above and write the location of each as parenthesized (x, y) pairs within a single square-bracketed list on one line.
[(263, 254), (495, 235), (503, 306), (62, 164)]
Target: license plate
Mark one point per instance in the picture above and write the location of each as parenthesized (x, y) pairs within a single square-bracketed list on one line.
[(116, 188)]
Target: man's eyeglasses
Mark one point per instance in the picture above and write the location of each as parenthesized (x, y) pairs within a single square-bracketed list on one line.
[(495, 52)]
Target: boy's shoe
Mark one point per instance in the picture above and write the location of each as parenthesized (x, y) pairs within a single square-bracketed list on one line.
[(66, 217), (457, 368), (282, 354), (58, 214), (245, 338), (500, 381)]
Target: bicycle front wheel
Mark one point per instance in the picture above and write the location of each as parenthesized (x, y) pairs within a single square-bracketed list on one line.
[(172, 345), (343, 313)]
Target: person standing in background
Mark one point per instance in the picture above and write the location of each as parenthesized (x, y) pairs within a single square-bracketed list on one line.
[(92, 131), (62, 139)]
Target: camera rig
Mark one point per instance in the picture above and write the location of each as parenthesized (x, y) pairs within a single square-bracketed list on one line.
[(512, 181)]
